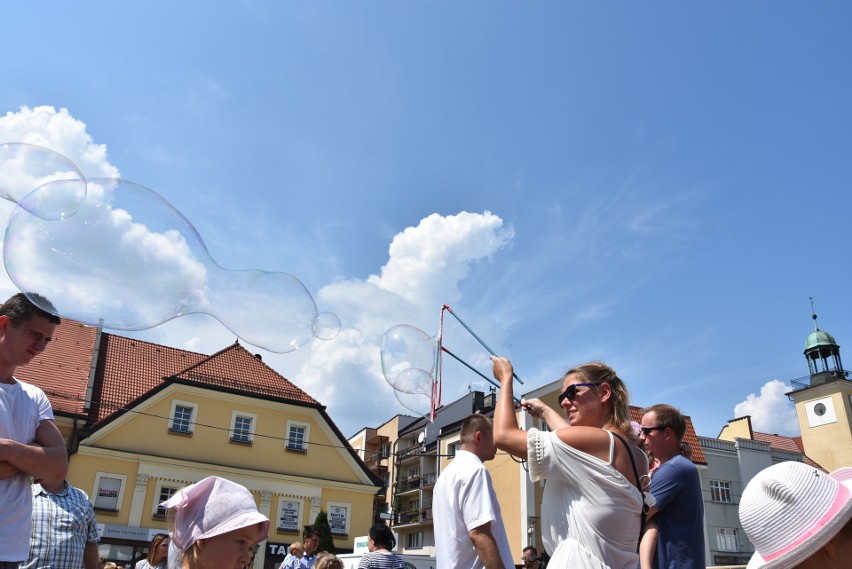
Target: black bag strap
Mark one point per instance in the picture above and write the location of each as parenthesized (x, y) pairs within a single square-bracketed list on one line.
[(644, 514)]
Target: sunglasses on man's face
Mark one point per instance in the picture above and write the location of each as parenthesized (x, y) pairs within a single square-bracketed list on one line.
[(571, 392), (647, 430)]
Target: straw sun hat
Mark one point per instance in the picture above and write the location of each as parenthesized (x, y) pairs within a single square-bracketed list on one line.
[(791, 510)]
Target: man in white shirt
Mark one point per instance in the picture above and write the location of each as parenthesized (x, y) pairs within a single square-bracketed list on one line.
[(30, 443), (469, 531)]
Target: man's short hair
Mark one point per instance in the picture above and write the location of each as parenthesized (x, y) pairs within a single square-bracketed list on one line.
[(668, 416), (19, 308), (530, 548), (472, 424), (309, 532)]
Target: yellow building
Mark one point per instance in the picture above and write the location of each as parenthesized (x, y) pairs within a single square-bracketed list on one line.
[(143, 420), (823, 402)]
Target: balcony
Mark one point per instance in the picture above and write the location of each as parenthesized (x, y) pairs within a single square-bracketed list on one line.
[(408, 453), (377, 462), (414, 517), (409, 485)]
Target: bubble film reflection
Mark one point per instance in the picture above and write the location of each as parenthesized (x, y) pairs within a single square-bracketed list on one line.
[(326, 326), (129, 260), (419, 404), (405, 347), (25, 167)]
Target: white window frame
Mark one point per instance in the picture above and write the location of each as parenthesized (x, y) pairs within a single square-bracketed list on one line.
[(416, 537), (727, 539), (194, 418), (119, 500), (453, 448), (720, 489), (305, 444), (243, 415), (158, 497), (301, 504), (348, 508)]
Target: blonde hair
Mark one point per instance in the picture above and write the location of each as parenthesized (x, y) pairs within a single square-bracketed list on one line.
[(599, 372), (327, 560), (296, 546)]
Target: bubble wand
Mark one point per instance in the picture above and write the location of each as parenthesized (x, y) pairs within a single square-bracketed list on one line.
[(472, 333), (476, 371)]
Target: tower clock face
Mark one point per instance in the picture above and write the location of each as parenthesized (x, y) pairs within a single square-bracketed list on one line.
[(820, 412)]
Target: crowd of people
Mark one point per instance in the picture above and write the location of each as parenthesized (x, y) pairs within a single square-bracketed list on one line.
[(623, 495), (617, 495)]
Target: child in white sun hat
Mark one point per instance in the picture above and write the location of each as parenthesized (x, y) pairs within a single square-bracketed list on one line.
[(216, 525), (799, 517)]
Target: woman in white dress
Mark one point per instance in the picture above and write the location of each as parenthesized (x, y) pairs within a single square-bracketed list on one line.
[(592, 507)]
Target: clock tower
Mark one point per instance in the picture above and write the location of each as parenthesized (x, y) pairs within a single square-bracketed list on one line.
[(824, 403)]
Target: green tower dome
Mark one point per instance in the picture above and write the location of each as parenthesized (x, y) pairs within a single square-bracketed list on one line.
[(819, 338)]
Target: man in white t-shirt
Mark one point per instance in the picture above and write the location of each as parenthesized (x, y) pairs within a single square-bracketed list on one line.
[(30, 443), (469, 531)]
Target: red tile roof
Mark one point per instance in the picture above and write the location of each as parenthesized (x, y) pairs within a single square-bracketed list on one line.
[(789, 444), (62, 371), (689, 437), (128, 369), (235, 368)]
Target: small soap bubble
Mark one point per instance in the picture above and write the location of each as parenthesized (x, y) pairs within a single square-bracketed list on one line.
[(405, 347), (326, 326), (129, 260), (417, 403), (27, 167)]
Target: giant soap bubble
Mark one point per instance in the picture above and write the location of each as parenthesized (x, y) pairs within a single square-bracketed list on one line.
[(128, 260)]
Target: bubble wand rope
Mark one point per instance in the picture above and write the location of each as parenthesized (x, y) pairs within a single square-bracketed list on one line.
[(472, 333), (476, 371)]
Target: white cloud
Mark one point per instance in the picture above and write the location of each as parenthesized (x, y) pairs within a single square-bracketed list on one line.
[(771, 411), (425, 265), (60, 132), (427, 262)]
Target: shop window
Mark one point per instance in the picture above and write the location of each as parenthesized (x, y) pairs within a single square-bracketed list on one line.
[(109, 491), (338, 518), (289, 516)]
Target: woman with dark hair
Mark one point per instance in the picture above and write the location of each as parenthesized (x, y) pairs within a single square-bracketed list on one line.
[(379, 544), (157, 553)]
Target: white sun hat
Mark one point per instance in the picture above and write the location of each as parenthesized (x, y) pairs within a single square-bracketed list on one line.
[(790, 510), (211, 507)]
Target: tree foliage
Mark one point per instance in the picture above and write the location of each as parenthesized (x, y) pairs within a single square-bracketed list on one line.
[(324, 528)]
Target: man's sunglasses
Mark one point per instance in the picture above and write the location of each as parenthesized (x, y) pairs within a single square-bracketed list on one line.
[(647, 430), (571, 392)]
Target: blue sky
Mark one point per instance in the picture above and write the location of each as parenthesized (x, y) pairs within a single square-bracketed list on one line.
[(660, 186)]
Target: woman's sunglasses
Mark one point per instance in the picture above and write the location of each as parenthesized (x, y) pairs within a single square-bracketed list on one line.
[(571, 392)]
